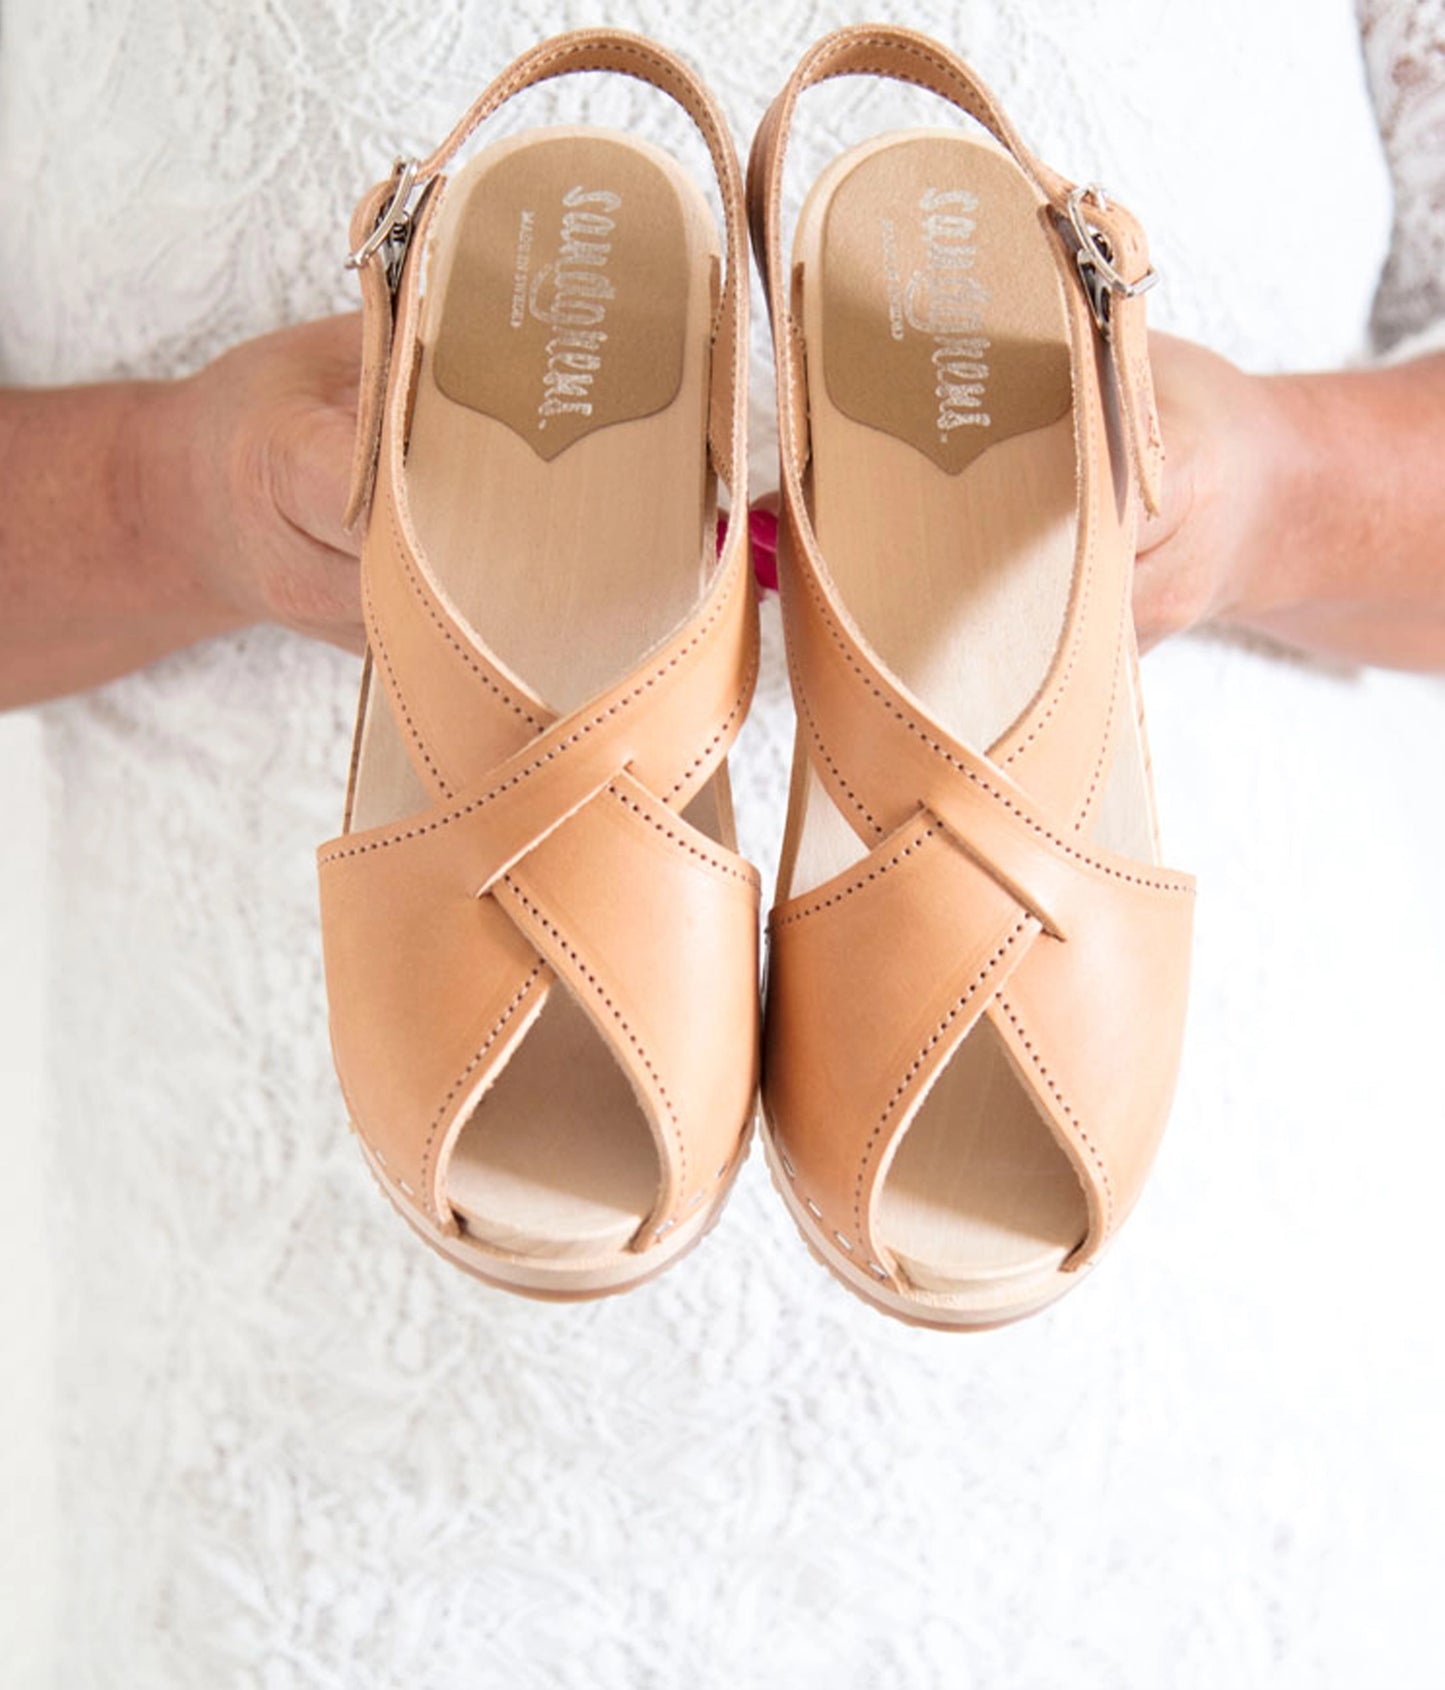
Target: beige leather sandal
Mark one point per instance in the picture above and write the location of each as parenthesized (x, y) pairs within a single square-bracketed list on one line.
[(977, 966), (540, 942)]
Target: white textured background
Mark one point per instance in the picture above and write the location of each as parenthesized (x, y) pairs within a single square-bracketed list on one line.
[(28, 1520), (252, 1436)]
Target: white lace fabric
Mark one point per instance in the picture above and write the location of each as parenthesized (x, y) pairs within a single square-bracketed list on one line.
[(294, 1448), (1404, 48)]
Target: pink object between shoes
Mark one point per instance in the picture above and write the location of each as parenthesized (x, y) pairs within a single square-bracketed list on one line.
[(763, 543)]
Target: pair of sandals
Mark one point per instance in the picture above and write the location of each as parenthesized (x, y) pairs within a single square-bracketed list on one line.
[(540, 940)]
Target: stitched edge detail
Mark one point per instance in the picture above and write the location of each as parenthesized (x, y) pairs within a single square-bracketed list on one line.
[(394, 694), (835, 632), (456, 1086), (875, 1268), (863, 880), (422, 593), (714, 134), (707, 1190), (740, 704), (1001, 798), (601, 993), (804, 710), (901, 1089), (816, 740), (553, 752), (746, 874), (1107, 746), (1036, 1062), (1086, 586), (941, 67)]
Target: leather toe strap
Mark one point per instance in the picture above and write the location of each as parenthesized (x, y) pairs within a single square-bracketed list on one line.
[(650, 924), (1091, 1014)]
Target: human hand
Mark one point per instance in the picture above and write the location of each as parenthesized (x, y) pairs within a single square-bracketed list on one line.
[(264, 440), (1206, 556)]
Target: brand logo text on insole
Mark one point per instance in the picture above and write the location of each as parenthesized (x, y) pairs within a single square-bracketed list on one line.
[(570, 296), (521, 269), (944, 299)]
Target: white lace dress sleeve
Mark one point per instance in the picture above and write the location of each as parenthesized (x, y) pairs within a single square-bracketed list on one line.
[(1404, 47)]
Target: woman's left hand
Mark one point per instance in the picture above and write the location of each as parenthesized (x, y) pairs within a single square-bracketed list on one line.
[(1203, 558)]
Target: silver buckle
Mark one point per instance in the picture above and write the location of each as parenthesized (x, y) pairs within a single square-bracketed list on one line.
[(392, 226), (1095, 258)]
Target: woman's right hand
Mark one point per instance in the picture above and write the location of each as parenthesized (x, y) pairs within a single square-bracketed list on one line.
[(144, 516), (257, 482)]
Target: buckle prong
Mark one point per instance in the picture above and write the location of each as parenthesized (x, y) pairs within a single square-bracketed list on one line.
[(392, 224), (1094, 257)]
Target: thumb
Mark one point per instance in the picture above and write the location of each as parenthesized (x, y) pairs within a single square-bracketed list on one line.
[(314, 475)]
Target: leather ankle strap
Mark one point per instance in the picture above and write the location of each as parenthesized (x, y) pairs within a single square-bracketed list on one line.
[(382, 221), (1106, 241)]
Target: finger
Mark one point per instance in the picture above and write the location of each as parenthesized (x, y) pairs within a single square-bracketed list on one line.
[(1156, 530), (312, 475), (1150, 614), (325, 606), (330, 347), (1148, 634), (343, 636), (347, 639), (1171, 593), (343, 579), (306, 585)]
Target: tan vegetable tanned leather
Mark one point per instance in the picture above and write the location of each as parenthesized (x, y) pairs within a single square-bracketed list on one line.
[(977, 965), (540, 942)]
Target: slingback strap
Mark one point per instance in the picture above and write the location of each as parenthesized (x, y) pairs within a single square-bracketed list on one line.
[(1106, 241), (385, 218)]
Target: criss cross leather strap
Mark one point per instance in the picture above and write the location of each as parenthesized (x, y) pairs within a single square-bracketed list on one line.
[(980, 894), (552, 847)]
